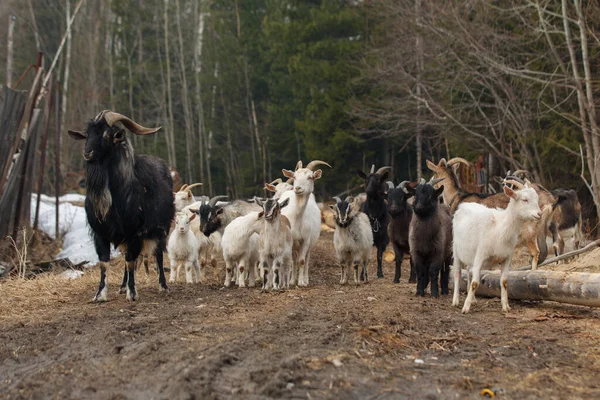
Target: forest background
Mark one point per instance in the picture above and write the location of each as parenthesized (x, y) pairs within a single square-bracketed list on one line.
[(244, 88)]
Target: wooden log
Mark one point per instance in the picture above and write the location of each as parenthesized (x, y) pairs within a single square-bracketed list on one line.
[(580, 288), (589, 247)]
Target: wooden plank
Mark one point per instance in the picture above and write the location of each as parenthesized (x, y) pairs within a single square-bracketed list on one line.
[(12, 106)]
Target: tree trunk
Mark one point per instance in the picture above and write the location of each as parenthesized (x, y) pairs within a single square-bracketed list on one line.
[(186, 104), (164, 100), (419, 48), (579, 288), (197, 71), (169, 91), (65, 82), (9, 50)]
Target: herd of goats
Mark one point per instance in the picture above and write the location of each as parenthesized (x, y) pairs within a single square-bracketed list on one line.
[(130, 204)]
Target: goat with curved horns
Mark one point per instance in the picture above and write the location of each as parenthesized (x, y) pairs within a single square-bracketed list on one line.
[(304, 216), (129, 200)]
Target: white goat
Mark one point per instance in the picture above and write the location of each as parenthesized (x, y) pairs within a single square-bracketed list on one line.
[(353, 237), (275, 245), (304, 216), (208, 247), (183, 249), (240, 248), (278, 186), (184, 197), (486, 236)]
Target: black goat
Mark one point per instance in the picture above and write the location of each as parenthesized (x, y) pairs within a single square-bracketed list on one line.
[(430, 238), (129, 200), (376, 209), (401, 214)]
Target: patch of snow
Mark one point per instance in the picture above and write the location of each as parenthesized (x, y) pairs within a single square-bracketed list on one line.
[(72, 274), (77, 241)]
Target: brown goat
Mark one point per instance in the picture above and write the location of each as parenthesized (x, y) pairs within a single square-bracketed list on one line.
[(533, 234)]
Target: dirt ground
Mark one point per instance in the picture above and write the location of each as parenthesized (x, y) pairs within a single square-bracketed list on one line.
[(375, 341)]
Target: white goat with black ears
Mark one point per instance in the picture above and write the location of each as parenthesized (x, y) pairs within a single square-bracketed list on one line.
[(304, 215), (353, 237), (275, 244)]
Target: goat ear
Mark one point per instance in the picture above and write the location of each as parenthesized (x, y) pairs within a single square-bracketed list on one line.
[(78, 135), (333, 207), (270, 187), (287, 173), (284, 203), (119, 136), (317, 174), (439, 191), (219, 211), (431, 166), (260, 215), (189, 196), (510, 193), (361, 174), (196, 211), (193, 217)]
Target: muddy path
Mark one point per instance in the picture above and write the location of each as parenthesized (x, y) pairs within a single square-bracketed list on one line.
[(326, 341)]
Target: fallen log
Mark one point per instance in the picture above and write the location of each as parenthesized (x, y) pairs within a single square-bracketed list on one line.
[(589, 247), (580, 288)]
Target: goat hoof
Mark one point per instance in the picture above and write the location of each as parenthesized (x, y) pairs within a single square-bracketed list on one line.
[(123, 290), (131, 294), (396, 281), (412, 280), (465, 310), (101, 296)]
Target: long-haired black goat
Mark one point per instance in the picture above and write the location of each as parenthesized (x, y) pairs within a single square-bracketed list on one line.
[(430, 237), (376, 209), (129, 200), (401, 214)]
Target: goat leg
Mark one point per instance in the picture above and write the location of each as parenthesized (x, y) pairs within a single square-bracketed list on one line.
[(445, 277), (102, 294), (399, 255), (159, 255), (379, 260), (131, 291), (413, 272), (123, 287)]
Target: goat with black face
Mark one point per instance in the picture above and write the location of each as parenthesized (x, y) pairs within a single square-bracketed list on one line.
[(430, 238), (401, 215), (129, 201), (376, 210)]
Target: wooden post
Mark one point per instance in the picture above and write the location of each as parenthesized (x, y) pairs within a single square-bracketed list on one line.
[(57, 157), (43, 159), (9, 49)]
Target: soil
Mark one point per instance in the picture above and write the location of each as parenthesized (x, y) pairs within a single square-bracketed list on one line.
[(202, 341)]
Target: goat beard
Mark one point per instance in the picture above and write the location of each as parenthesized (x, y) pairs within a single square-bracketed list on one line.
[(97, 190)]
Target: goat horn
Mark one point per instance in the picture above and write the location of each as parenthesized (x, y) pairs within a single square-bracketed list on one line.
[(403, 186), (515, 178), (433, 182), (523, 172), (381, 170), (519, 185), (298, 165), (314, 163), (390, 184), (372, 169), (422, 181), (276, 181), (112, 118), (212, 202), (183, 187), (457, 160), (337, 199), (189, 188), (289, 180)]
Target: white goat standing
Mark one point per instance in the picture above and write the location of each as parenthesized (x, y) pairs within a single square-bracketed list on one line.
[(183, 249), (486, 236), (353, 237), (240, 248), (275, 244), (305, 217)]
